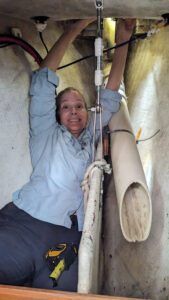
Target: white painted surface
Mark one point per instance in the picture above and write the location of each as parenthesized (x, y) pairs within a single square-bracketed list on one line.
[(75, 9), (14, 155), (15, 73), (142, 269), (130, 269)]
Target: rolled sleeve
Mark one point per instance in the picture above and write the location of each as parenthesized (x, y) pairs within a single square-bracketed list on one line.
[(44, 81), (110, 101), (43, 106)]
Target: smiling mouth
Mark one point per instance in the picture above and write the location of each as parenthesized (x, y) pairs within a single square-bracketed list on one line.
[(74, 120)]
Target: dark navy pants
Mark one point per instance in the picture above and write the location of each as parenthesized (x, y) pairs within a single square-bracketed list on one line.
[(24, 241)]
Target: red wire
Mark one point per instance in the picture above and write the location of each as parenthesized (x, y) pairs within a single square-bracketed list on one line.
[(23, 44)]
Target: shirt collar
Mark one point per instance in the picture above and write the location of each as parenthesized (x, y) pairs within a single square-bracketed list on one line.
[(85, 135)]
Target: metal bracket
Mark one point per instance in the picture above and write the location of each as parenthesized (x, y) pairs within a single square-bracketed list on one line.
[(166, 18), (97, 108), (99, 4)]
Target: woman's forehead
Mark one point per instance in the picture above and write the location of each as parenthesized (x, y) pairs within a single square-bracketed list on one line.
[(72, 96)]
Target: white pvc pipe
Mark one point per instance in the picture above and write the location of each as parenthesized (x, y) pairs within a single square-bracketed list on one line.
[(134, 202), (89, 250)]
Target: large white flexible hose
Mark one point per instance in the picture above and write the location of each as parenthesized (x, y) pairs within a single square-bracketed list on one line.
[(134, 202)]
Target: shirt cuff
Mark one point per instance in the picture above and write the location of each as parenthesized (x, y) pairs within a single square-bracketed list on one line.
[(110, 99), (43, 78)]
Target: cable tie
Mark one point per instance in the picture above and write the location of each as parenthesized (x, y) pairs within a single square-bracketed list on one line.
[(152, 31)]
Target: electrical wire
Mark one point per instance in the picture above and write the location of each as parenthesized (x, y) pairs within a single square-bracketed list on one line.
[(7, 40), (119, 130), (5, 45), (42, 40), (143, 140), (134, 38), (130, 132)]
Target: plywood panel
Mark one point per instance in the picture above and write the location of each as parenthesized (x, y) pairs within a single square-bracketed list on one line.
[(18, 293)]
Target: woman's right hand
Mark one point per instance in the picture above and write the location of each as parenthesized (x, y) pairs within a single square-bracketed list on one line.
[(124, 29)]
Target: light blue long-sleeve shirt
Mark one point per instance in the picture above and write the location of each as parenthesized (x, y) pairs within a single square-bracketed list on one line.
[(59, 160)]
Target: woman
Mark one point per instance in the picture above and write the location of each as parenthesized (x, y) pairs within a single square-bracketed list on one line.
[(61, 150)]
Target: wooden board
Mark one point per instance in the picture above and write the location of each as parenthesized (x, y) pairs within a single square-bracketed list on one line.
[(18, 293)]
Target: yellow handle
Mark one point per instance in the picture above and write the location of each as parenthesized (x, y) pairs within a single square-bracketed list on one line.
[(53, 253), (58, 270)]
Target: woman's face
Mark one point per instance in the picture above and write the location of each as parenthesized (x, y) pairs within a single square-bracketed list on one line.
[(73, 113)]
